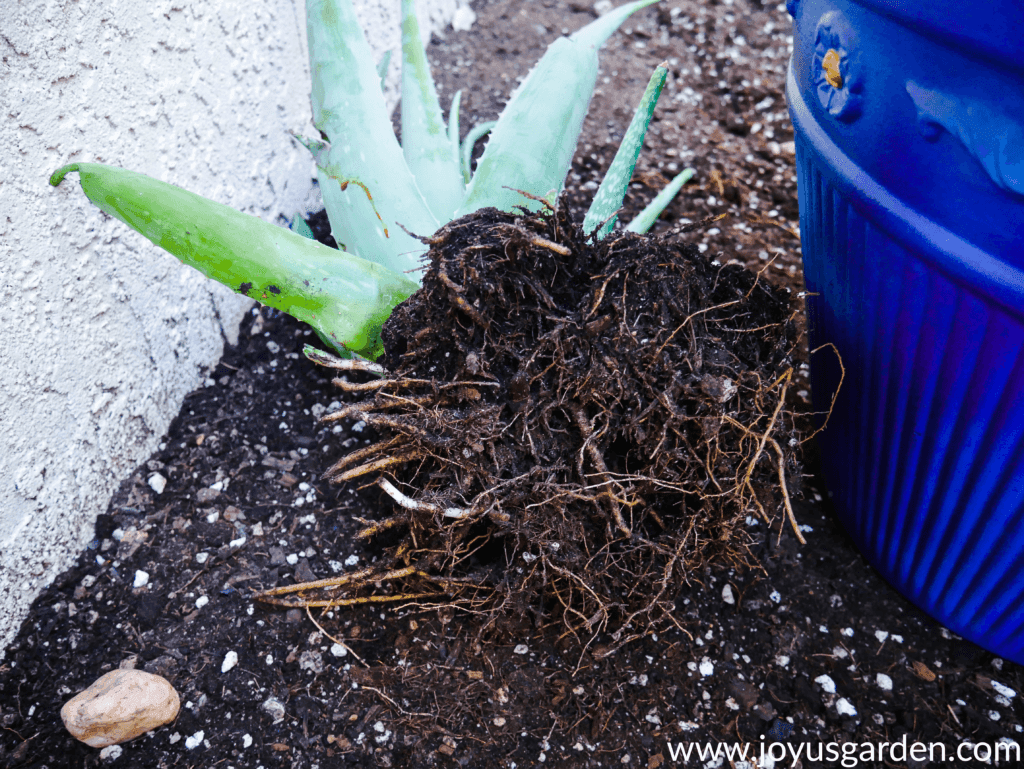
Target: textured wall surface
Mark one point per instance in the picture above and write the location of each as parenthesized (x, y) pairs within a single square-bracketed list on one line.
[(103, 334)]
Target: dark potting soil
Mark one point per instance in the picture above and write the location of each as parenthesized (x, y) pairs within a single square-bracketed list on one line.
[(416, 685)]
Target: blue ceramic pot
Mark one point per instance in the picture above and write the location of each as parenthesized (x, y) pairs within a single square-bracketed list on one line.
[(909, 120)]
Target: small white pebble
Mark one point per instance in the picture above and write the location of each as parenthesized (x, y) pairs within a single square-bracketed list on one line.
[(338, 650), (212, 517), (292, 558), (884, 682), (246, 740), (158, 483), (111, 753), (201, 601), (141, 578), (1004, 690), (844, 708), (202, 557), (706, 667), (230, 660), (727, 595), (195, 740), (522, 649), (881, 635), (826, 683), (499, 721)]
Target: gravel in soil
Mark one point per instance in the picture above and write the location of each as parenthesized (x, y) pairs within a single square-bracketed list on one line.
[(810, 646)]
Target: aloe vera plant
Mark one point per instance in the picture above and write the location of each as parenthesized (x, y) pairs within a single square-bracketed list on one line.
[(380, 196)]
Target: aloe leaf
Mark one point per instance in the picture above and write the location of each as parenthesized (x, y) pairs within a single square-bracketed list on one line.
[(646, 218), (453, 132), (382, 67), (532, 145), (613, 187), (313, 145), (344, 298), (476, 134), (367, 186), (425, 141), (299, 227)]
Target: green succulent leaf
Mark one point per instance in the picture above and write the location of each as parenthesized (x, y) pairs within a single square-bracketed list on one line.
[(646, 218), (344, 298), (299, 227), (453, 134), (382, 67), (476, 134), (601, 215), (313, 145), (369, 192), (532, 145), (425, 141)]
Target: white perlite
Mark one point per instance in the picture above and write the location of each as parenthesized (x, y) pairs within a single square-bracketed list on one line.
[(1004, 690), (158, 483), (884, 682), (844, 708), (727, 595), (230, 660), (141, 578), (706, 667), (826, 683), (193, 742)]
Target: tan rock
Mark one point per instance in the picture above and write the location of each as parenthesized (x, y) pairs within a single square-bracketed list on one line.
[(120, 706)]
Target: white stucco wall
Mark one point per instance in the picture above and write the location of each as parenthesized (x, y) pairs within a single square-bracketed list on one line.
[(103, 334)]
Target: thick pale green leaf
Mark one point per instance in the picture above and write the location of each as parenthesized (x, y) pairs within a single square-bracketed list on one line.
[(299, 227), (646, 218), (476, 134), (532, 145), (344, 298), (425, 142), (612, 191), (382, 67), (367, 186), (313, 145), (453, 133)]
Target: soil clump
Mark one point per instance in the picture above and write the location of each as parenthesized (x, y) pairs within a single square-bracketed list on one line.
[(571, 427)]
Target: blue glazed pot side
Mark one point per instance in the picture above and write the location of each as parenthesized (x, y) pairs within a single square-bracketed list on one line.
[(912, 225)]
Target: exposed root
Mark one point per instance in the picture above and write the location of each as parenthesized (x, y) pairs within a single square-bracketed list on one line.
[(584, 425)]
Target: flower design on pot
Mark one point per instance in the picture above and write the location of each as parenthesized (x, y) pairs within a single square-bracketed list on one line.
[(835, 68)]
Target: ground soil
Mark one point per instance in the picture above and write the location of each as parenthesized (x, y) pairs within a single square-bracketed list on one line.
[(414, 686)]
